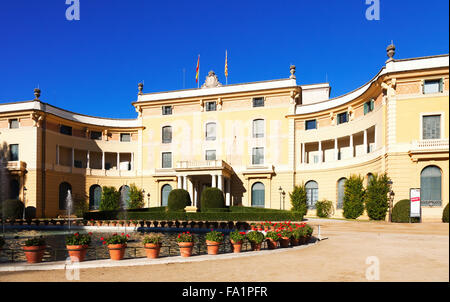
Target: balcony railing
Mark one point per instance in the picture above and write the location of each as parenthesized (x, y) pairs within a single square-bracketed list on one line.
[(201, 164), (430, 144), (16, 165)]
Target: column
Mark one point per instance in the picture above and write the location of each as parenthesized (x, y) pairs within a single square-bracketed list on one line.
[(190, 189), (351, 145), (194, 202), (303, 154), (228, 192), (118, 161), (365, 141), (103, 160), (132, 161), (185, 182), (320, 152), (336, 155), (180, 182), (213, 181), (375, 138), (73, 157), (220, 182), (87, 160)]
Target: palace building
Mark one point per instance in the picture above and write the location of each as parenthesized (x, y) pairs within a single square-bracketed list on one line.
[(254, 141)]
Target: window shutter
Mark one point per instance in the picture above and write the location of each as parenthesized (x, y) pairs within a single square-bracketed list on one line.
[(365, 108), (372, 104), (441, 85)]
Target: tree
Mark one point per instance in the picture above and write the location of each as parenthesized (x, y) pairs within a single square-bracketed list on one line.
[(136, 200), (298, 199), (353, 197), (110, 199), (376, 198)]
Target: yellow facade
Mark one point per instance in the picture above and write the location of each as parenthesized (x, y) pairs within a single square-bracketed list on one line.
[(250, 140)]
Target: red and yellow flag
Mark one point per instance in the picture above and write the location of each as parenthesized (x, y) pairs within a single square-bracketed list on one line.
[(196, 71), (226, 64)]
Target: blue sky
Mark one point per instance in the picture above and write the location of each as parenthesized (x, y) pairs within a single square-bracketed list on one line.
[(92, 66)]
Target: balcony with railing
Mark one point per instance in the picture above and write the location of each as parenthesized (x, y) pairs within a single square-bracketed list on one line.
[(430, 144), (202, 165)]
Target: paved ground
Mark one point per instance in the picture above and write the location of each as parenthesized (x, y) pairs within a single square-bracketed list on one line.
[(406, 252)]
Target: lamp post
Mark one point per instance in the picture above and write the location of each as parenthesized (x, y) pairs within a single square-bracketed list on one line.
[(391, 199), (24, 201), (281, 193), (148, 200)]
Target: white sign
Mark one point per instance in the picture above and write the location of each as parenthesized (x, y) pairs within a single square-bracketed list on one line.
[(414, 197)]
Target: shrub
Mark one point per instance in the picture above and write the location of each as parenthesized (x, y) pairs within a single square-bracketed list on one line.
[(110, 199), (376, 197), (115, 239), (445, 214), (153, 239), (237, 236), (12, 209), (136, 200), (214, 236), (324, 208), (77, 239), (80, 206), (35, 241), (211, 198), (185, 237), (298, 200), (30, 213), (255, 236), (178, 199), (273, 235), (353, 197), (299, 232), (401, 211)]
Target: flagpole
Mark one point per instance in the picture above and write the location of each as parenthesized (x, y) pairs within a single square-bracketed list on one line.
[(198, 80)]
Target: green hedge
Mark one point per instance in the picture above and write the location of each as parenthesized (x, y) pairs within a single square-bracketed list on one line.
[(178, 199), (216, 210), (445, 214), (400, 212), (212, 198), (242, 209), (207, 216), (11, 209)]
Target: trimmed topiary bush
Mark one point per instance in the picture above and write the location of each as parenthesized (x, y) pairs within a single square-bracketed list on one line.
[(400, 212), (445, 214), (136, 198), (376, 197), (353, 197), (178, 199), (30, 213), (110, 199), (212, 198), (11, 209), (298, 200), (324, 208)]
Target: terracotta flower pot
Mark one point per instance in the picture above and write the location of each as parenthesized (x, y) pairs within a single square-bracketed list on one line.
[(255, 246), (213, 247), (186, 248), (117, 251), (284, 242), (272, 244), (237, 246), (294, 242), (77, 253), (34, 254), (152, 250)]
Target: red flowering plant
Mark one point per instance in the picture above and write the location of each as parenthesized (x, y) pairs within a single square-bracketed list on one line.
[(275, 236), (267, 224), (185, 237), (237, 236), (214, 236), (78, 239), (115, 239), (299, 232)]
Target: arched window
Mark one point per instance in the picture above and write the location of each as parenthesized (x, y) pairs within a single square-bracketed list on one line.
[(167, 134), (258, 194), (64, 189), (210, 131), (431, 186), (124, 196), (341, 190), (165, 190), (312, 193), (95, 196), (258, 128)]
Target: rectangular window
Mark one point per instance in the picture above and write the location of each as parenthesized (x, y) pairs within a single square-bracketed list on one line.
[(13, 123), (258, 102), (78, 164), (14, 152), (258, 156), (211, 131), (166, 160), (97, 135), (258, 128), (167, 135), (316, 159), (368, 106), (431, 127), (311, 124), (433, 86), (210, 106), (342, 118), (65, 130), (210, 155), (166, 110), (125, 137)]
